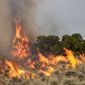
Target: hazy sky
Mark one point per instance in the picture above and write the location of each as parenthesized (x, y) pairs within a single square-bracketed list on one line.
[(61, 16)]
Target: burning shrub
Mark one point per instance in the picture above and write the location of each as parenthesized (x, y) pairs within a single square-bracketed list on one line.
[(20, 43)]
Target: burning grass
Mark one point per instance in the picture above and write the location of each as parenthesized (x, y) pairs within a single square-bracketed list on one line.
[(52, 70), (59, 77)]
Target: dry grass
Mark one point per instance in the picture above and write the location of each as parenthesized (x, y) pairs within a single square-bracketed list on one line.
[(65, 77), (68, 77)]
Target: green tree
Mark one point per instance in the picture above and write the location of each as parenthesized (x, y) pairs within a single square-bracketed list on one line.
[(77, 36), (49, 44), (82, 46), (66, 41), (76, 39), (72, 42)]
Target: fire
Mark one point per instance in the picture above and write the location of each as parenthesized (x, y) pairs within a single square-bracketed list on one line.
[(43, 59), (48, 72), (31, 63), (43, 64), (15, 71), (71, 58), (48, 65), (20, 42), (56, 59), (18, 30), (52, 62)]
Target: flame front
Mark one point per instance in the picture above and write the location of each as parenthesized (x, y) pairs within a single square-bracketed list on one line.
[(47, 65), (52, 62), (20, 42), (71, 58), (15, 71)]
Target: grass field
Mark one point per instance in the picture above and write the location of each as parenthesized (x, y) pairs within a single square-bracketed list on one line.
[(65, 77), (59, 77)]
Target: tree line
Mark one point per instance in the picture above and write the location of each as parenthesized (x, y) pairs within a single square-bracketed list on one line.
[(53, 44)]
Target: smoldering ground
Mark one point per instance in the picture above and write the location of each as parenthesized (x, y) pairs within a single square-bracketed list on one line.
[(9, 10)]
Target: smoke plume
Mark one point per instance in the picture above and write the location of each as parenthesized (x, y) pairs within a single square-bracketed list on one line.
[(9, 10)]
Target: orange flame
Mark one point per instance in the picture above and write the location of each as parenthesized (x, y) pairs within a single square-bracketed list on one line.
[(43, 58), (20, 42), (51, 61), (71, 58), (31, 63), (48, 65), (15, 71), (48, 72)]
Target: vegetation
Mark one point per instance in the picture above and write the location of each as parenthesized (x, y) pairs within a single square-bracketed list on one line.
[(53, 44), (48, 44), (65, 77)]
